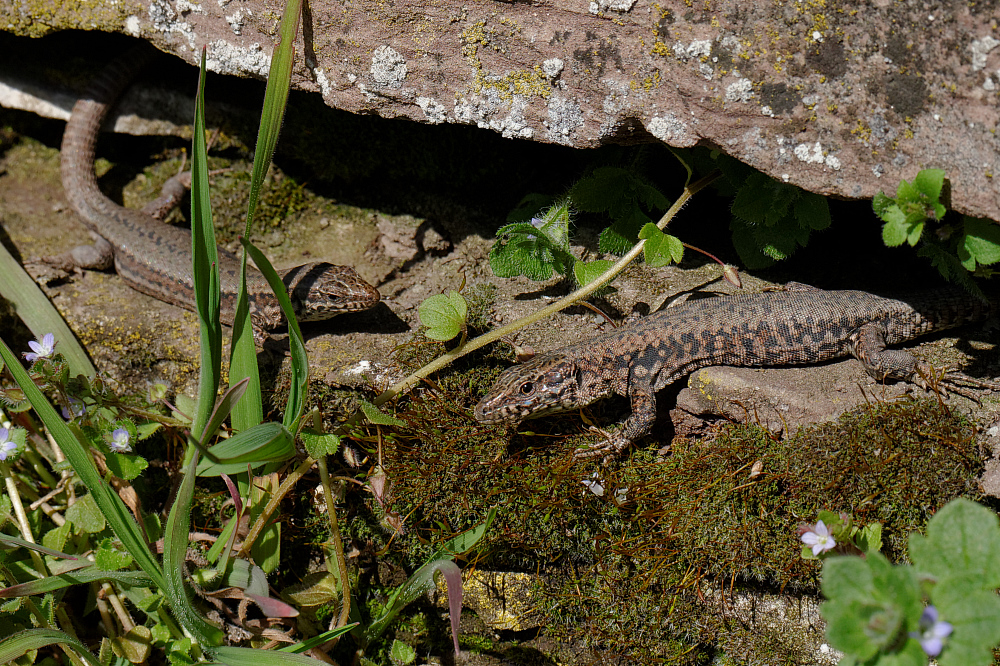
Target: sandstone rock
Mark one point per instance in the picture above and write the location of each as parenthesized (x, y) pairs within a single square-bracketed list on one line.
[(837, 100)]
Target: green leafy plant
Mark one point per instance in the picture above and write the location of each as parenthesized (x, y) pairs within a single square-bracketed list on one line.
[(771, 219), (956, 249), (875, 611), (540, 246)]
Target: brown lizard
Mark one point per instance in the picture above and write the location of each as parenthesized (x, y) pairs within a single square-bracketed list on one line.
[(155, 258), (800, 326)]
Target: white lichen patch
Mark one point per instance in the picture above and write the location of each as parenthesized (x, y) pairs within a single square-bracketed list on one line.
[(485, 111), (237, 20), (814, 155), (325, 88), (132, 26), (226, 58), (434, 111), (600, 6), (671, 130), (165, 20), (553, 67), (980, 48), (739, 91), (388, 67), (183, 6), (565, 116), (699, 48)]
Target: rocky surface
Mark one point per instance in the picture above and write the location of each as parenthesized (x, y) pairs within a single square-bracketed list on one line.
[(839, 99)]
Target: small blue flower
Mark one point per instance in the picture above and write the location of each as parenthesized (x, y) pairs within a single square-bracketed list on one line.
[(76, 407), (819, 538), (7, 447), (41, 348), (120, 441), (932, 632)]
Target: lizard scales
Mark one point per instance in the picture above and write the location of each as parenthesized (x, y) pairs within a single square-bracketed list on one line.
[(155, 258), (796, 327)]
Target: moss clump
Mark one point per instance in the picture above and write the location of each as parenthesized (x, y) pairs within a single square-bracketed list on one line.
[(630, 569)]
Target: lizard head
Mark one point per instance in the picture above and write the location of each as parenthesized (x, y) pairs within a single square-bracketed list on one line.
[(320, 290), (543, 385)]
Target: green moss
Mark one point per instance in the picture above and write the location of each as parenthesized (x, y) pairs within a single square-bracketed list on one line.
[(665, 528)]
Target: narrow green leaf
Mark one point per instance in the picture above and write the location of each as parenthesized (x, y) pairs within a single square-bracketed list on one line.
[(16, 542), (423, 578), (263, 443), (20, 643), (243, 356), (206, 266), (175, 543), (223, 407), (319, 639), (87, 574), (444, 316), (39, 315), (235, 656), (299, 365)]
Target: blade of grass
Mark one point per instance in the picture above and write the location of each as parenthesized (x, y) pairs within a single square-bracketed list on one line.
[(243, 355), (206, 269), (299, 363), (39, 315), (18, 644), (175, 543)]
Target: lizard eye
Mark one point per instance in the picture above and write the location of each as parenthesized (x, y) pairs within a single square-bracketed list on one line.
[(527, 388)]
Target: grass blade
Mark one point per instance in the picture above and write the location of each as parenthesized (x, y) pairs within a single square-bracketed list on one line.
[(39, 315), (300, 362), (18, 644), (243, 358), (206, 267)]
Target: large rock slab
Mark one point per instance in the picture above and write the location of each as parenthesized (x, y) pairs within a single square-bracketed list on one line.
[(839, 100)]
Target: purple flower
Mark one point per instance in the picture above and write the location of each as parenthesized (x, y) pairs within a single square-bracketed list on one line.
[(76, 407), (819, 538), (932, 632), (41, 348), (7, 447), (120, 441)]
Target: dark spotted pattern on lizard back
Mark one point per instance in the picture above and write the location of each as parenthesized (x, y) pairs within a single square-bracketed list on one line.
[(797, 327)]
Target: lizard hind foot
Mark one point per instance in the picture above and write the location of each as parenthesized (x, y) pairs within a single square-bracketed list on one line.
[(948, 379)]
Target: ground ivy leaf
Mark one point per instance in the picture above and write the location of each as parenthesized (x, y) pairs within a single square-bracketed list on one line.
[(660, 248), (85, 515), (444, 316), (929, 183), (963, 539), (319, 444), (585, 273), (109, 559), (981, 240), (975, 616)]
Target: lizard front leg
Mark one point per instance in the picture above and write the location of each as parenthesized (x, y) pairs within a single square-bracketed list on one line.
[(867, 345), (636, 425)]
